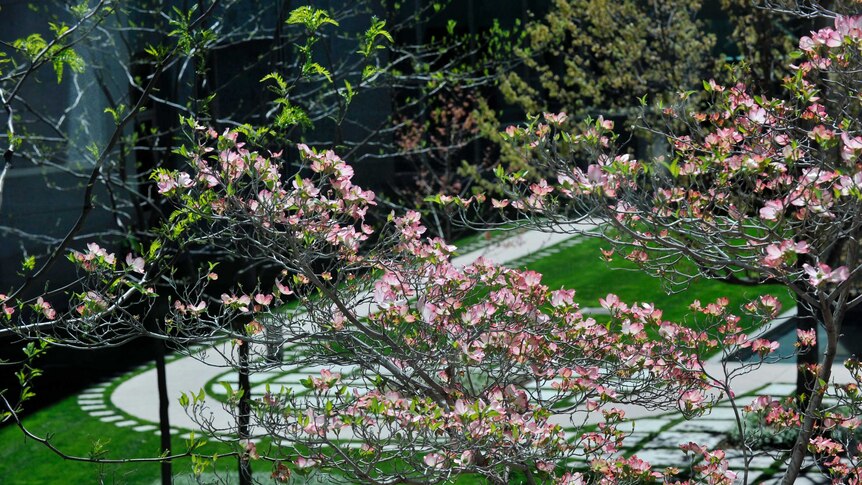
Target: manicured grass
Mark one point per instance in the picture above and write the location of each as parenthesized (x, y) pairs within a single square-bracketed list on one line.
[(582, 268), (26, 462)]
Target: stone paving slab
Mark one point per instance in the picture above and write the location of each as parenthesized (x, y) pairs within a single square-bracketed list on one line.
[(778, 390), (801, 480), (705, 426), (736, 460), (671, 439), (645, 425), (753, 475), (633, 440), (664, 457), (719, 413)]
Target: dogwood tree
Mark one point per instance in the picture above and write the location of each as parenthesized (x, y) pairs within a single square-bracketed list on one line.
[(428, 369), (755, 188)]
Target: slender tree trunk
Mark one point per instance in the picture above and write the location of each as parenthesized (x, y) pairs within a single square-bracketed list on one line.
[(244, 419), (806, 320), (809, 419), (164, 418)]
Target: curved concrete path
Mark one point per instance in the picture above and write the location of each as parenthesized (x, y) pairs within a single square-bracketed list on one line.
[(137, 402)]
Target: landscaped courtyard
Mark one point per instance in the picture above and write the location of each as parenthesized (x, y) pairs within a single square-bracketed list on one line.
[(485, 242), (117, 417)]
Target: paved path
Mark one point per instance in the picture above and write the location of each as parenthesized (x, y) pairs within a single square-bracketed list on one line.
[(134, 403)]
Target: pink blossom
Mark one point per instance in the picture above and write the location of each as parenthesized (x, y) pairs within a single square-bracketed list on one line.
[(770, 304), (135, 264), (326, 380), (806, 338), (849, 26), (303, 462), (541, 188), (95, 251), (165, 183), (556, 119), (284, 290), (631, 328), (776, 254), (251, 450), (763, 346), (760, 402), (434, 460), (821, 134), (45, 308), (850, 146), (771, 210), (825, 274), (692, 399), (198, 308), (819, 444), (561, 298)]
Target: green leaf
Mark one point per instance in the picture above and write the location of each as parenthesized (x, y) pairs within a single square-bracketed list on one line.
[(29, 263), (348, 92), (154, 248), (311, 18), (81, 10), (434, 198), (227, 387), (369, 71), (315, 68), (377, 29), (280, 82)]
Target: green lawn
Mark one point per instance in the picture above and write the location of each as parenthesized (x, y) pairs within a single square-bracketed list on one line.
[(24, 462), (578, 267), (581, 268)]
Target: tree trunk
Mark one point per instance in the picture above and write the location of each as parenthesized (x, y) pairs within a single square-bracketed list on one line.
[(806, 320), (244, 418), (164, 418), (812, 405)]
